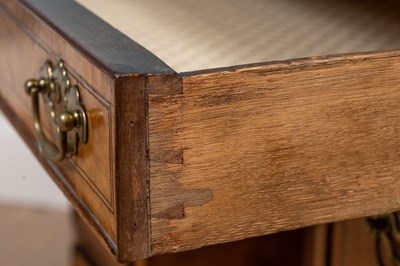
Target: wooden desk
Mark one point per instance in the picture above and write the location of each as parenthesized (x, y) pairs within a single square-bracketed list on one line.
[(177, 160)]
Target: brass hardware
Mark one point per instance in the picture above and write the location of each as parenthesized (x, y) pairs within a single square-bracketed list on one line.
[(387, 230), (67, 113)]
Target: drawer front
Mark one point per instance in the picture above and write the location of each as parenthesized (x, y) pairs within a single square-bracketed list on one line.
[(107, 179), (87, 177)]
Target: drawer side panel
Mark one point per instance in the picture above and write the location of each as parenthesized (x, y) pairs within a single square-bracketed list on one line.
[(243, 152)]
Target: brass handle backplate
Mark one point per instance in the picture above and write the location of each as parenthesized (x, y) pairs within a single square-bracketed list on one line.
[(68, 116)]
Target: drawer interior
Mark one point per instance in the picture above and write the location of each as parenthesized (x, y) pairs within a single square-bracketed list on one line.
[(192, 35)]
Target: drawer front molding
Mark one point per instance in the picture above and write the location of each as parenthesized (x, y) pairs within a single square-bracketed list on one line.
[(88, 176)]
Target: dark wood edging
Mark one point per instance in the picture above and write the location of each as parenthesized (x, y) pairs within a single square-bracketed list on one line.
[(107, 47)]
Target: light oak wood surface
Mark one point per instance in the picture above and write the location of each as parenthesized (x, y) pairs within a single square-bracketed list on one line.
[(249, 151)]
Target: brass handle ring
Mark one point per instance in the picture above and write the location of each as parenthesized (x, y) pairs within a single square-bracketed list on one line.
[(67, 114)]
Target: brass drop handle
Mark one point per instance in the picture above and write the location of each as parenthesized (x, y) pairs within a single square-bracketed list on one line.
[(67, 114)]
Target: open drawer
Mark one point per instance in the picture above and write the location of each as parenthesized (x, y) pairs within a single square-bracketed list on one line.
[(218, 147)]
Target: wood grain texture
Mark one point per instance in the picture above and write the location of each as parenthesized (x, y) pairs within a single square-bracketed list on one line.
[(353, 243), (213, 156), (248, 151), (132, 169), (316, 245)]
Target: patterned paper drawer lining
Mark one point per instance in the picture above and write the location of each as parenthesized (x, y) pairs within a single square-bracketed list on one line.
[(192, 35)]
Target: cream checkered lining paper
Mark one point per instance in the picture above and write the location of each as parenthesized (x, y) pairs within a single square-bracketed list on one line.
[(192, 35)]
